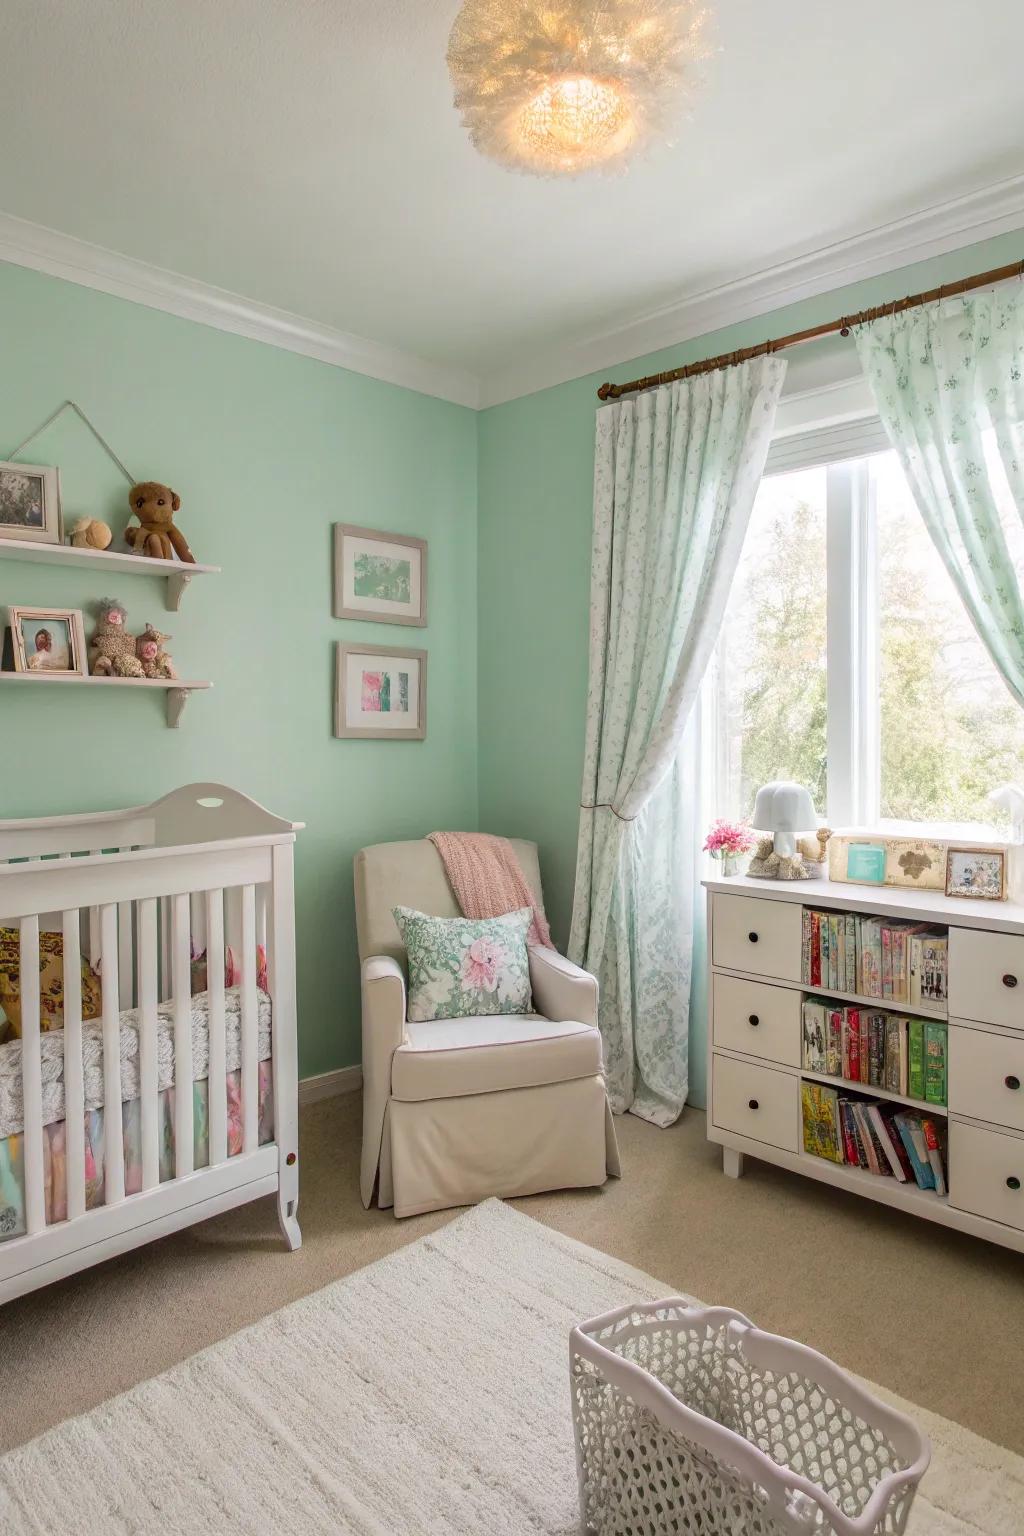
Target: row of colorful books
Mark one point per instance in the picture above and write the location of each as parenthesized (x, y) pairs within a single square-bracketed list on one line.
[(884, 1050), (907, 962), (879, 1137)]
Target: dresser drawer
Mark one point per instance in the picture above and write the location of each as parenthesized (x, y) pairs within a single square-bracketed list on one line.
[(751, 934), (760, 1020), (986, 1173), (756, 1102), (986, 977), (986, 1076)]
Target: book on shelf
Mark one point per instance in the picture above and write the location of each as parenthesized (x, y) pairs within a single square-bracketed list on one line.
[(915, 1059), (929, 967), (879, 1137), (821, 1126), (935, 1062), (934, 1136), (880, 1049), (872, 957)]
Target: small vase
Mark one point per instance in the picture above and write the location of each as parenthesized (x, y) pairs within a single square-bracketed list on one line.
[(731, 864)]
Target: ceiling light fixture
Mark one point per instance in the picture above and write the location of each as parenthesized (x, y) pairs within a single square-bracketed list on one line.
[(567, 86)]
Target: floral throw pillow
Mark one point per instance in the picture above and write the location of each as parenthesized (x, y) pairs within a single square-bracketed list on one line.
[(459, 966)]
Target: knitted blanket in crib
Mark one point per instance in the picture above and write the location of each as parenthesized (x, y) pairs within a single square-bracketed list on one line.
[(12, 1114)]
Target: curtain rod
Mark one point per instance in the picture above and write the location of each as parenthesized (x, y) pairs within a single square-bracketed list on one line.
[(843, 326)]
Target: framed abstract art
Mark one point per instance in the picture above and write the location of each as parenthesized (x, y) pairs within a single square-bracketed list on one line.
[(379, 576), (380, 693)]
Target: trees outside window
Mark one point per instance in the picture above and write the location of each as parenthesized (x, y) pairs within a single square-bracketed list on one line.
[(844, 637)]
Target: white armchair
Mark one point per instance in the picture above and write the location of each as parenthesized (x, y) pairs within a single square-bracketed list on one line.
[(457, 1110)]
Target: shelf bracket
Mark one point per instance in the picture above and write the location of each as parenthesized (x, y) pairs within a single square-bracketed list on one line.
[(176, 585), (177, 698)]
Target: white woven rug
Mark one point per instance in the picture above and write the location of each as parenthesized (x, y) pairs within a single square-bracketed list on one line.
[(424, 1396)]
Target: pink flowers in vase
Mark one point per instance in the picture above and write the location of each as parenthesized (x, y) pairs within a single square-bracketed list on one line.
[(728, 841)]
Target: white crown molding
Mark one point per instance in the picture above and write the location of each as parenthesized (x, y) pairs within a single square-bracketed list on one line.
[(93, 266), (994, 210)]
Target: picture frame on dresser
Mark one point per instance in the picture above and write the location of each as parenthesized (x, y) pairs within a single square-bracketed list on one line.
[(969, 1113)]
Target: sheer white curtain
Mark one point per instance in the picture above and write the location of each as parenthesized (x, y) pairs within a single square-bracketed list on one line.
[(676, 472)]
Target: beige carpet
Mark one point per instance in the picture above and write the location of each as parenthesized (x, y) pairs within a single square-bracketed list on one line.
[(934, 1314), (427, 1394)]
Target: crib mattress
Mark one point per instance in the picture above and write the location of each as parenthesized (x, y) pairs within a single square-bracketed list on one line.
[(52, 1054)]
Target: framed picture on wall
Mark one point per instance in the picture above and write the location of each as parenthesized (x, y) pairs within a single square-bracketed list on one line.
[(30, 503), (50, 641), (379, 576), (380, 693)]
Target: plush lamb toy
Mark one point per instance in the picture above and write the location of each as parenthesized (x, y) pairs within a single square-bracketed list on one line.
[(90, 533), (149, 648), (155, 505), (111, 650)]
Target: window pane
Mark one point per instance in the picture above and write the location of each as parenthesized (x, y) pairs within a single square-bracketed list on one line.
[(771, 656), (950, 730)]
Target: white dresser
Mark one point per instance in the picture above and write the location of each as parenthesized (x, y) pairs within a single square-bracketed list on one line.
[(755, 998)]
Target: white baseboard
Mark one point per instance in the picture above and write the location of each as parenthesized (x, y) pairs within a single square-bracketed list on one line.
[(326, 1085)]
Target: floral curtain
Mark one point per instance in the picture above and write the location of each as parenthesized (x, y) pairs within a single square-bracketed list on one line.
[(676, 472), (948, 380)]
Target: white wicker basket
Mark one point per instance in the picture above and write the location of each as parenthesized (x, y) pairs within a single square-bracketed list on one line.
[(690, 1420)]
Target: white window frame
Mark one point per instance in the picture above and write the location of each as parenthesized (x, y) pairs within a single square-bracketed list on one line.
[(853, 697)]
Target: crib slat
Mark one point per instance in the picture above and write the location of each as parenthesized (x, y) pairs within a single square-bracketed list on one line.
[(31, 1076), (113, 1133), (164, 987), (148, 1081), (74, 1086), (94, 926), (216, 1083), (182, 991), (124, 954), (250, 1038)]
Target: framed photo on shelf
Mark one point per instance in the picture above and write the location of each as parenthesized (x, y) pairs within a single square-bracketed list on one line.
[(30, 503), (976, 872), (380, 693), (48, 640), (379, 576)]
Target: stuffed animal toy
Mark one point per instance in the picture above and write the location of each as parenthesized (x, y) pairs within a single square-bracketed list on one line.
[(111, 649), (149, 648), (155, 505), (90, 533)]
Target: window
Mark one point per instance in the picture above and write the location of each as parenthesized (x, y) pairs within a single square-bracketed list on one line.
[(848, 662)]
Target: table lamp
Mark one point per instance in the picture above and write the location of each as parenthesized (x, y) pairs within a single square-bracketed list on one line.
[(786, 810)]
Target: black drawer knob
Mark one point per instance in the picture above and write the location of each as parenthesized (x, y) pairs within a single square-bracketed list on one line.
[(1009, 981), (1012, 1082), (754, 1020), (752, 1104), (753, 939), (1013, 1182)]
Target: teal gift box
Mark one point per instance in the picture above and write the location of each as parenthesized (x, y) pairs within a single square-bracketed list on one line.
[(865, 862)]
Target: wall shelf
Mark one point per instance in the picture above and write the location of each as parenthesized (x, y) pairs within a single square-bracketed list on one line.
[(177, 575), (177, 689)]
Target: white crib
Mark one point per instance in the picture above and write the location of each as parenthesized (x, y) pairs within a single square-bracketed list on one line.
[(133, 891)]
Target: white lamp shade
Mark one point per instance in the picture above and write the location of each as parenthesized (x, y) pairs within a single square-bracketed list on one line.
[(785, 810)]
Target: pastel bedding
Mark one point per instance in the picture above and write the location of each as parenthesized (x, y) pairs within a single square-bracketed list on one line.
[(12, 1181)]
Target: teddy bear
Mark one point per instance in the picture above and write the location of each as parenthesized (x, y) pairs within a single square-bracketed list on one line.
[(149, 648), (111, 649), (90, 533), (155, 505)]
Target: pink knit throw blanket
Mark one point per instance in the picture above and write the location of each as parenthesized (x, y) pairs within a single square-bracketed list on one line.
[(485, 875)]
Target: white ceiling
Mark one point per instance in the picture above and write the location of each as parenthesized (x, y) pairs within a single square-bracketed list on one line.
[(305, 154)]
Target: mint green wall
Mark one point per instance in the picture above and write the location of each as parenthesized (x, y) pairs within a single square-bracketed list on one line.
[(267, 450), (536, 479)]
